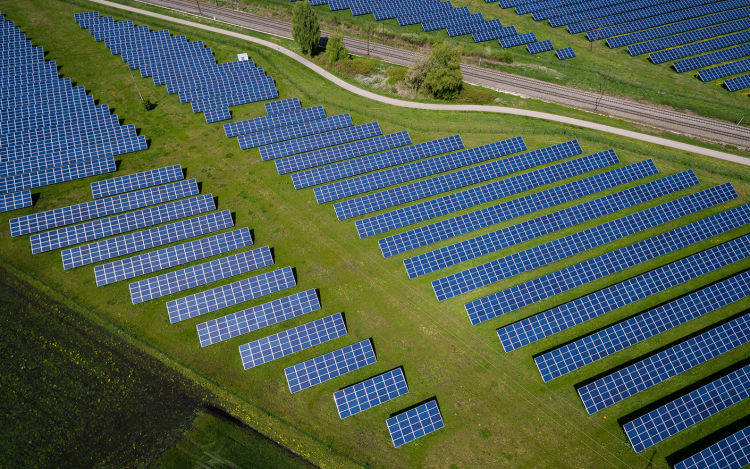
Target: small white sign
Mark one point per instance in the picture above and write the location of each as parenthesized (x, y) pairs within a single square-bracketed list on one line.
[(242, 57)]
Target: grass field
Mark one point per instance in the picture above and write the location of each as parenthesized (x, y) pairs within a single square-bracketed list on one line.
[(496, 409)]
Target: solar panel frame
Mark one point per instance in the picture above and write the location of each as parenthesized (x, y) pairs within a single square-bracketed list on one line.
[(317, 141), (329, 366), (369, 393), (15, 200), (565, 53), (57, 175), (732, 452), (517, 40), (132, 182), (738, 83), (540, 46), (414, 423), (290, 132), (282, 106), (259, 124)]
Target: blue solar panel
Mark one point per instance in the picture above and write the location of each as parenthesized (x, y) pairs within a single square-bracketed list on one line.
[(470, 28), (415, 423), (230, 294), (217, 115), (565, 53), (596, 304), (141, 240), (201, 274), (517, 40), (374, 162), (685, 411), (605, 342), (733, 452), (721, 71), (472, 221), (329, 366), (501, 239), (700, 47), (258, 124), (292, 340), (131, 182), (280, 134), (713, 58), (420, 169), (171, 256), (57, 175), (594, 19), (342, 152), (282, 106), (576, 275), (15, 200), (688, 37), (541, 46), (104, 227), (577, 243), (738, 83), (257, 317), (494, 33), (471, 197), (41, 221), (314, 142), (370, 393)]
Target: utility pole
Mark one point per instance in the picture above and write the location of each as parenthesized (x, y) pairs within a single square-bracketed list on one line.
[(197, 2)]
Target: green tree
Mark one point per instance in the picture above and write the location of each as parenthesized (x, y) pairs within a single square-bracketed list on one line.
[(439, 75), (335, 49), (305, 27)]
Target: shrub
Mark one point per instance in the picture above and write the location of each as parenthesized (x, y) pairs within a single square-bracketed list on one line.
[(395, 74), (440, 75), (335, 49), (305, 27)]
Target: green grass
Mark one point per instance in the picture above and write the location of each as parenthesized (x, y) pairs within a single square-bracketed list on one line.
[(497, 411)]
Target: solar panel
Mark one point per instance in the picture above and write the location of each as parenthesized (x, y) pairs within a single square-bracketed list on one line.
[(541, 46), (146, 239), (423, 168), (342, 152), (510, 236), (280, 134), (596, 304), (56, 175), (478, 195), (47, 220), (494, 33), (377, 161), (688, 37), (217, 115), (292, 340), (322, 140), (605, 342), (257, 317), (415, 423), (713, 58), (369, 393), (104, 227), (700, 47), (579, 274), (733, 452), (738, 83), (565, 53), (686, 411), (201, 274), (258, 124), (282, 106), (472, 221), (517, 40), (165, 258), (725, 70), (230, 294), (329, 366), (15, 200), (131, 182)]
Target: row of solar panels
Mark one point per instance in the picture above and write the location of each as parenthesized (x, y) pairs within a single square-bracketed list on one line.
[(435, 15), (50, 131), (403, 172), (186, 68), (703, 33)]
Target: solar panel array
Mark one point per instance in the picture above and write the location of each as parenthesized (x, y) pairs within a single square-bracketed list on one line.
[(370, 393), (14, 200), (258, 124), (518, 40), (292, 340), (329, 366), (725, 70), (689, 409), (699, 47), (733, 452), (415, 423), (317, 141), (279, 134), (565, 53), (541, 46), (282, 106), (713, 58), (132, 182), (186, 67), (690, 36), (738, 83)]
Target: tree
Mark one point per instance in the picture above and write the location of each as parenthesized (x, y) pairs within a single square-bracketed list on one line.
[(305, 27), (335, 49), (439, 75)]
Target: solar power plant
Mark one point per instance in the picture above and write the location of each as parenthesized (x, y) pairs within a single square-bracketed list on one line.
[(201, 274), (713, 58), (721, 71), (415, 423), (50, 219), (57, 175), (369, 393), (294, 131), (629, 291), (342, 152), (686, 411), (329, 366), (700, 47), (171, 256), (321, 140), (688, 37), (258, 124), (283, 106), (738, 83), (517, 40), (147, 239), (230, 294), (472, 221), (374, 162), (733, 452), (565, 53), (624, 334), (576, 243), (15, 200), (424, 168), (292, 340), (257, 317), (615, 261), (132, 182), (447, 182), (541, 46), (471, 197), (537, 227)]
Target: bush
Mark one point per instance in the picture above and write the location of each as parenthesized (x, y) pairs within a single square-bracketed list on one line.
[(350, 68), (395, 74), (305, 27), (335, 49), (440, 75)]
